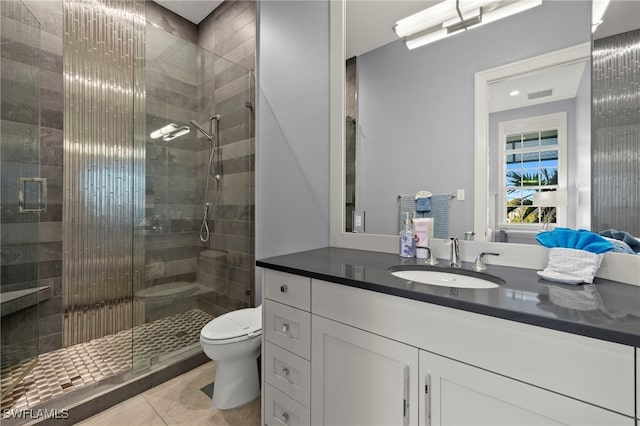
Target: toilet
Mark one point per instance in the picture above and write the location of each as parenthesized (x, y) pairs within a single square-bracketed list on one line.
[(233, 341)]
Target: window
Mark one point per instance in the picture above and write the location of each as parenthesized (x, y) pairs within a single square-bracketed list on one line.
[(533, 155)]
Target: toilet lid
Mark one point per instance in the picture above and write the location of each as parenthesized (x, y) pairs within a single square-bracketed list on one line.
[(233, 325)]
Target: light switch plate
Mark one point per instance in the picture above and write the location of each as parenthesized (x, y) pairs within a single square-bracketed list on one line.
[(460, 195)]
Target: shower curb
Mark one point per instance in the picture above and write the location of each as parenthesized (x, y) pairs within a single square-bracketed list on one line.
[(75, 409)]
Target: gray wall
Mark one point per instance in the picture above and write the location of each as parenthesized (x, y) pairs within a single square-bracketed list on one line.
[(292, 170), (416, 107)]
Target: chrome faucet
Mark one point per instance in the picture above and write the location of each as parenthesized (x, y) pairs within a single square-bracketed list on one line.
[(454, 258), (479, 266), (431, 259)]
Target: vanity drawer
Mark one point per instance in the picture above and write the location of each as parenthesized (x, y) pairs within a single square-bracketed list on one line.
[(288, 327), (292, 290), (280, 410), (288, 372)]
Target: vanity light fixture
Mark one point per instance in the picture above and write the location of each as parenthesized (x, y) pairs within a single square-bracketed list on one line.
[(452, 16)]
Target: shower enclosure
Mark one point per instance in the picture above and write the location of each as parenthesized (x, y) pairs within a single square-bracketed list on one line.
[(21, 192), (136, 280)]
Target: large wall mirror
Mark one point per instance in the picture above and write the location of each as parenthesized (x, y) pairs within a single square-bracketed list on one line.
[(408, 119)]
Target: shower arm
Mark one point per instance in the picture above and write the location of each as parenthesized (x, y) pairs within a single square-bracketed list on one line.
[(210, 135)]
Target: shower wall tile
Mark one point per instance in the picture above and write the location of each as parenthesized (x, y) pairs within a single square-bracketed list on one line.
[(176, 253), (50, 343), (48, 13), (50, 325), (170, 22), (50, 52), (17, 50), (615, 147), (51, 150), (237, 85), (172, 97), (229, 26), (173, 114), (160, 78)]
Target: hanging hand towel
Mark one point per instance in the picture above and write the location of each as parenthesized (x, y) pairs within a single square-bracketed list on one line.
[(423, 201)]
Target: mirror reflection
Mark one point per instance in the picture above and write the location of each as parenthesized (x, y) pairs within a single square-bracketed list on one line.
[(410, 120)]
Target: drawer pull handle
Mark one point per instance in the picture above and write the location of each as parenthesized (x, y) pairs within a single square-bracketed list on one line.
[(285, 328), (285, 417), (284, 288), (285, 372)]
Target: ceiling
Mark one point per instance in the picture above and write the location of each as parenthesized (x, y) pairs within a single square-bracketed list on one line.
[(621, 16), (369, 24), (192, 10), (562, 81)]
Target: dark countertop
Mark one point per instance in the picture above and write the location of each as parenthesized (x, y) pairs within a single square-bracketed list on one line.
[(605, 310)]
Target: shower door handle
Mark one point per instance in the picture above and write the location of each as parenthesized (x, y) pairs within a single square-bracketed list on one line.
[(32, 195)]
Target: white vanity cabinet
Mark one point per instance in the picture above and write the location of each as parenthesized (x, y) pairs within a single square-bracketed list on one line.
[(286, 352), (375, 359), (360, 378), (458, 394)]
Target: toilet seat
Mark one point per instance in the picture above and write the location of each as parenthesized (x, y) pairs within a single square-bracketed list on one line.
[(234, 326)]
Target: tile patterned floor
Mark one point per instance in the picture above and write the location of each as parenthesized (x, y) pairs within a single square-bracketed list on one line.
[(72, 368), (179, 401)]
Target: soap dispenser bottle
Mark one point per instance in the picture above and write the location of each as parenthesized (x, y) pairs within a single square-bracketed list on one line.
[(407, 242)]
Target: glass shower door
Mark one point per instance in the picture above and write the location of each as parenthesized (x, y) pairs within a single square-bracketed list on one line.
[(22, 193), (198, 196)]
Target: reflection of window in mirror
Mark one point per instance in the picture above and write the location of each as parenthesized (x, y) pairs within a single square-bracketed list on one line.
[(350, 143), (532, 152)]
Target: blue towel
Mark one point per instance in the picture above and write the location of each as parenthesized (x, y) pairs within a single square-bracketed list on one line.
[(423, 204), (579, 239), (626, 237)]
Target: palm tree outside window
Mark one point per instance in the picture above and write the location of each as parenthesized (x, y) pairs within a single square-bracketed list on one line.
[(532, 163)]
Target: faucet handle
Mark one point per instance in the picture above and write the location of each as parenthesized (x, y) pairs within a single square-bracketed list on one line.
[(479, 266)]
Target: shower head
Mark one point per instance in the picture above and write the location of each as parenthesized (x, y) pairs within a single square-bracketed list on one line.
[(181, 131)]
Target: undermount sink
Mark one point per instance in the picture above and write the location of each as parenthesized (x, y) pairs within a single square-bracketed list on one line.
[(445, 277)]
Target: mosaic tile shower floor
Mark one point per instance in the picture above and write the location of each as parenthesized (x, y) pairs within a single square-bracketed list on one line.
[(68, 369)]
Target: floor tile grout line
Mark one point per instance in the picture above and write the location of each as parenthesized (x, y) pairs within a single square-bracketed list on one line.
[(144, 396)]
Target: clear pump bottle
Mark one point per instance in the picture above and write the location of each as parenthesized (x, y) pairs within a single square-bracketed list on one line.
[(407, 242)]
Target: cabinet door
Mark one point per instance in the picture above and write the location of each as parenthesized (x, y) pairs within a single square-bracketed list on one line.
[(359, 378), (458, 394)]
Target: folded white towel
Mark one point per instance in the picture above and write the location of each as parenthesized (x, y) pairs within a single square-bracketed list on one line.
[(570, 266)]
